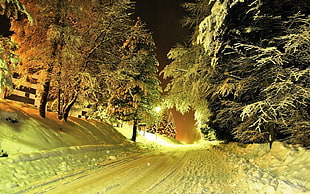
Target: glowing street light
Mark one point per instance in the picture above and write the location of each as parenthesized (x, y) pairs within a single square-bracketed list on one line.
[(158, 109)]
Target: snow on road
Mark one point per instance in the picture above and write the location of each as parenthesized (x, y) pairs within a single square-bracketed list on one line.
[(180, 169)]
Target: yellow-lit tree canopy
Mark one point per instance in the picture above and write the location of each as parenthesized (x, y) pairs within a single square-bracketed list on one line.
[(78, 50), (15, 10), (135, 91), (248, 64)]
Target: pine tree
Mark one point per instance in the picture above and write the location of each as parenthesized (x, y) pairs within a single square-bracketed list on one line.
[(47, 47), (252, 60), (73, 50), (167, 126), (188, 86), (282, 110), (250, 69), (8, 60), (135, 91)]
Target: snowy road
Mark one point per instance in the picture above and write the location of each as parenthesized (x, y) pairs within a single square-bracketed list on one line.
[(187, 169)]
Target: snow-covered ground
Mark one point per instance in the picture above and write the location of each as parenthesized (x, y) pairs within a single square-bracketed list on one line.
[(86, 156)]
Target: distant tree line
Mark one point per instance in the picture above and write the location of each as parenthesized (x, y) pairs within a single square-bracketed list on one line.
[(246, 69), (90, 52)]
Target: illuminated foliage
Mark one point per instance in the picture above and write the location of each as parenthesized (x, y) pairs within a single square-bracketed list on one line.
[(166, 127), (252, 71), (135, 91), (48, 47), (8, 60), (14, 9), (73, 47), (109, 29), (187, 84)]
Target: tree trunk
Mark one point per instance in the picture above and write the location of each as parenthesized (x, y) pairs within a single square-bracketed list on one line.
[(59, 110), (68, 107), (134, 130), (271, 135), (46, 86), (44, 96)]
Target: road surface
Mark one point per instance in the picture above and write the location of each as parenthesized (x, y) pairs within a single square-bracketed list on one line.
[(185, 169)]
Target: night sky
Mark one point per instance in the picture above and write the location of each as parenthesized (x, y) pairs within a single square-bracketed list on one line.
[(4, 26), (163, 19)]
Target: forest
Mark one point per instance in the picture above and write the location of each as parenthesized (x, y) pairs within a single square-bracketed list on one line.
[(92, 53), (244, 71)]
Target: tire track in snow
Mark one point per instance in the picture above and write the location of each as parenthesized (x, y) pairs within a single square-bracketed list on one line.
[(153, 169), (200, 171), (180, 171), (55, 182)]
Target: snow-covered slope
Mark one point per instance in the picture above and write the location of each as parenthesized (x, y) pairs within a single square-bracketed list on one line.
[(40, 148), (23, 131)]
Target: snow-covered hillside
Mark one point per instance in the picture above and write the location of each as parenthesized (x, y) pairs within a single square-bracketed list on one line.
[(23, 130), (47, 155), (38, 148)]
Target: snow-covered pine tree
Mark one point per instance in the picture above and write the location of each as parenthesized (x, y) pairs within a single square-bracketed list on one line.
[(135, 90), (248, 70), (74, 50), (167, 126), (283, 110), (48, 47), (13, 9), (253, 93)]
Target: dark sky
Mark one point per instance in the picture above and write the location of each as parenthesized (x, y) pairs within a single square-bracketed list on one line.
[(4, 26), (163, 19)]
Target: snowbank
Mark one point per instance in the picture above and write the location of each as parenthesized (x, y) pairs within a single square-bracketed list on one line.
[(24, 131), (288, 164)]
